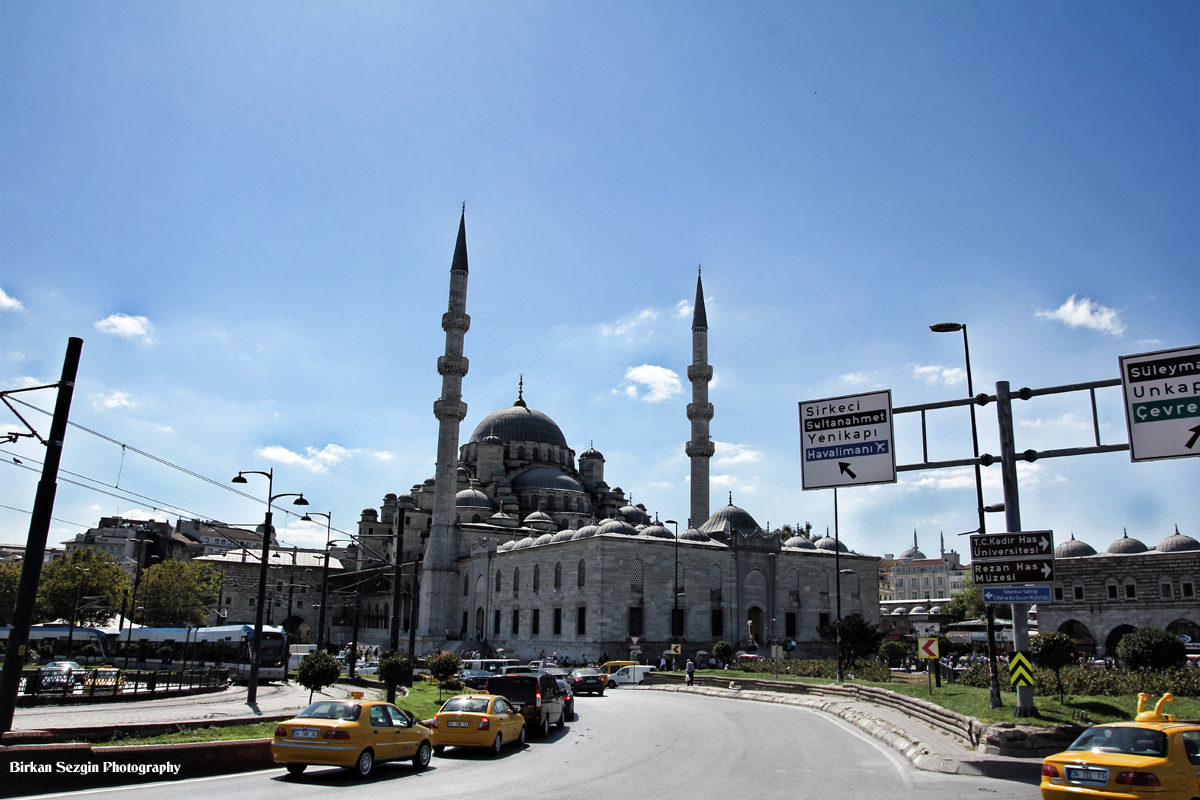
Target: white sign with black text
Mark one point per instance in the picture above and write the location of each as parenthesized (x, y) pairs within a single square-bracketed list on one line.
[(847, 441)]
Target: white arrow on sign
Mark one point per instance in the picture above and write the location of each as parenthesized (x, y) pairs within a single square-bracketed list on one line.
[(1046, 570)]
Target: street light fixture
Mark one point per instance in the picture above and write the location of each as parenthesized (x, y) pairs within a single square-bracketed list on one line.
[(74, 611), (324, 574), (954, 327), (255, 655)]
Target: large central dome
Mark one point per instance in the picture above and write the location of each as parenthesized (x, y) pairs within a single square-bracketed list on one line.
[(520, 424)]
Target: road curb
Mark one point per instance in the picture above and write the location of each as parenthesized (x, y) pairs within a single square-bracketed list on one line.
[(919, 754)]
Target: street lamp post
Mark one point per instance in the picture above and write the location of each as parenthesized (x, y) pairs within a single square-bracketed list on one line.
[(255, 650), (74, 611), (954, 327), (837, 583), (324, 575), (137, 577)]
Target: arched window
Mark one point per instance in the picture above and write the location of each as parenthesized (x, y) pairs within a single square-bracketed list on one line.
[(516, 581), (497, 581), (474, 518), (550, 502), (558, 575), (823, 582), (521, 453), (537, 578), (679, 584), (466, 585), (714, 583), (794, 586), (582, 572), (636, 571), (854, 585), (535, 454)]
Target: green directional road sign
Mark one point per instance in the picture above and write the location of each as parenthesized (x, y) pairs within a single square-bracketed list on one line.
[(1020, 671)]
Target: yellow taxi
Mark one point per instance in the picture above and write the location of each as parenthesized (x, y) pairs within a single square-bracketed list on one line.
[(355, 734), (477, 720), (609, 667), (1153, 756)]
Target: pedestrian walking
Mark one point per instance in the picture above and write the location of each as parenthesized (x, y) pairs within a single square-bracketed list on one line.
[(691, 672)]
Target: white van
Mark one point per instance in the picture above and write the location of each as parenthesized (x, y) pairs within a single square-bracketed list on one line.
[(630, 674), (297, 654)]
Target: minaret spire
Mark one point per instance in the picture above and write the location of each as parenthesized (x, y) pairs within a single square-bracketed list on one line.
[(700, 448), (440, 573)]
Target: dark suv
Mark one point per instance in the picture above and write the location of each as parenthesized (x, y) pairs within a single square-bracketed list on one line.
[(537, 697)]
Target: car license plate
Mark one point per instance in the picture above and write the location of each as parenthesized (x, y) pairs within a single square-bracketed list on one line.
[(1091, 775), (304, 733), (518, 706), (456, 723)]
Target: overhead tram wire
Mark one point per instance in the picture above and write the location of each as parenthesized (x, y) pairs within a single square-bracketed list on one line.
[(56, 519)]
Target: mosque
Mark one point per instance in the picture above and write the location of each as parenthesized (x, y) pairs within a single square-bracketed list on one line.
[(520, 545)]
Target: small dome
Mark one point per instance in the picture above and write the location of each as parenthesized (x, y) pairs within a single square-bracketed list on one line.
[(587, 531), (472, 498), (390, 496), (545, 538), (912, 554), (799, 543), (503, 520), (1177, 543), (634, 515), (565, 535), (540, 520), (740, 521), (901, 611), (1127, 545), (919, 610), (693, 535), (831, 544), (617, 526), (592, 452), (1074, 549), (935, 609), (657, 531), (506, 546), (462, 473), (370, 513), (523, 543), (428, 482)]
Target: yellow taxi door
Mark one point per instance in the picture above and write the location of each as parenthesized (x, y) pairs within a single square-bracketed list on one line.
[(408, 737), (383, 735)]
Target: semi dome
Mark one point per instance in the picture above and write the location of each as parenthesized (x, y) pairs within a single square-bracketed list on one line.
[(693, 535), (1127, 545), (617, 526), (546, 478), (519, 424), (740, 521), (1074, 548), (799, 543), (1177, 543)]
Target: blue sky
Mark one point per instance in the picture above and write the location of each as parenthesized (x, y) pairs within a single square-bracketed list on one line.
[(248, 211)]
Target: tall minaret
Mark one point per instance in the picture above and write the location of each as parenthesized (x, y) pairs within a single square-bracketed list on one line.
[(699, 411), (439, 575)]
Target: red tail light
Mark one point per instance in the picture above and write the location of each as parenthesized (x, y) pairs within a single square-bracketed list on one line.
[(331, 735), (281, 731), (1138, 779), (539, 697), (485, 724), (433, 724), (1049, 771)]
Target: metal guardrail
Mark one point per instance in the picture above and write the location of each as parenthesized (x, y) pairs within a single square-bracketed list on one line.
[(101, 683)]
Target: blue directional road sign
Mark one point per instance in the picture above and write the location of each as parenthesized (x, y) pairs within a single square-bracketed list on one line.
[(1017, 594)]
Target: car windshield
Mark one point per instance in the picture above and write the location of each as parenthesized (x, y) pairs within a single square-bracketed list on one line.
[(1123, 739), (468, 705), (328, 710), (522, 688)]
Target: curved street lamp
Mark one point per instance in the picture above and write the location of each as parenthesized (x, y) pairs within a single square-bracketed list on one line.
[(255, 655)]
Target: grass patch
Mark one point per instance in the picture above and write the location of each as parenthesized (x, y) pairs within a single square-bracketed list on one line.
[(973, 702)]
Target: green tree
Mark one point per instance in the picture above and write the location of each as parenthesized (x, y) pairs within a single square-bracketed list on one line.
[(104, 579), (1151, 648), (179, 592), (788, 531), (860, 639), (317, 670), (395, 670), (443, 667), (968, 604), (10, 578), (722, 651), (892, 652), (1054, 650)]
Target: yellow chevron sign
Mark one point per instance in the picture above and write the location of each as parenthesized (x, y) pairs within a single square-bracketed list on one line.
[(1020, 671)]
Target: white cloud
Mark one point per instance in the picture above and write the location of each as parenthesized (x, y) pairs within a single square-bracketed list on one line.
[(9, 303), (660, 383), (722, 480), (627, 325), (27, 382), (126, 327), (383, 455), (315, 461), (683, 308), (856, 377), (1087, 314), (1065, 421), (113, 399), (727, 453), (661, 485), (1029, 476), (163, 428), (946, 375), (1149, 342)]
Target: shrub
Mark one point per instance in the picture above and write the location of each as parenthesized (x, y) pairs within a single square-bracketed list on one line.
[(892, 652), (1151, 648), (442, 668), (722, 651), (317, 670), (1054, 650)]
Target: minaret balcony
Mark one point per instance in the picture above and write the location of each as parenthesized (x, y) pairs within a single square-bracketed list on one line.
[(699, 372), (699, 449), (453, 365), (449, 409), (700, 411), (453, 321)]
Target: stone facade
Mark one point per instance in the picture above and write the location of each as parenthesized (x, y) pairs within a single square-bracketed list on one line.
[(1099, 597)]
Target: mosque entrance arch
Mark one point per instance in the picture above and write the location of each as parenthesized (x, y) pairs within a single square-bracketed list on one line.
[(297, 629), (1114, 638), (754, 624)]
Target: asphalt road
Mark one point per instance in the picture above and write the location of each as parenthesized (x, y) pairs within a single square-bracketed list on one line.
[(637, 744)]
